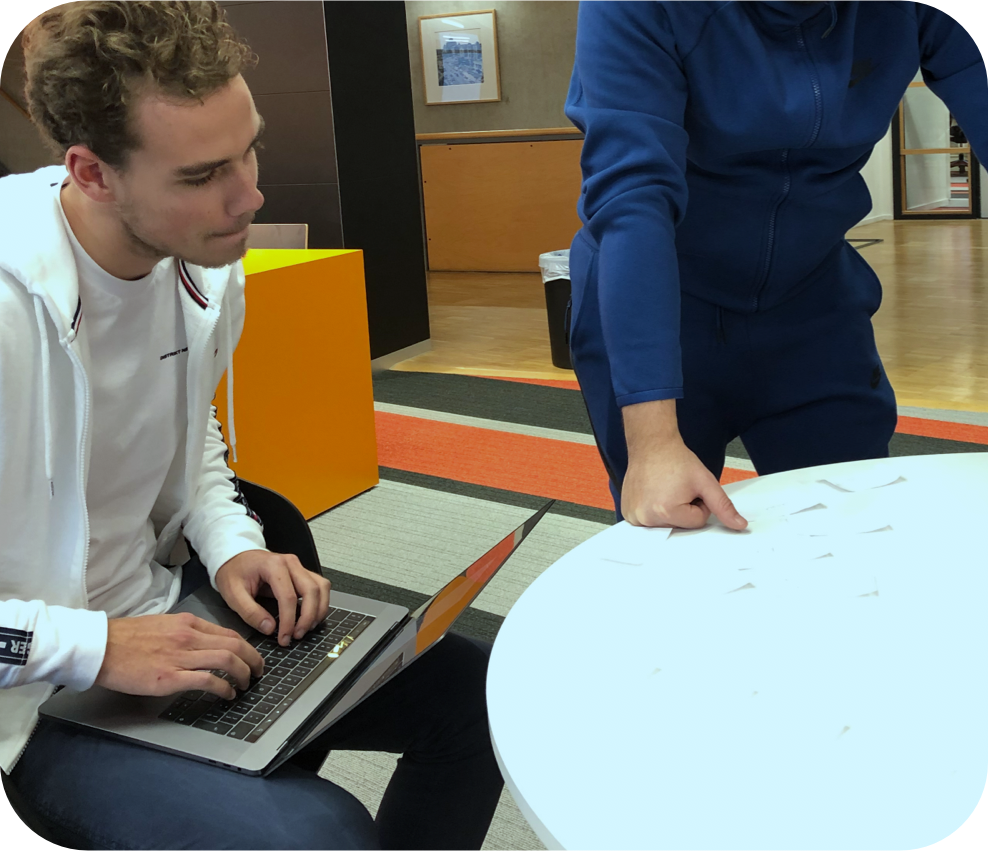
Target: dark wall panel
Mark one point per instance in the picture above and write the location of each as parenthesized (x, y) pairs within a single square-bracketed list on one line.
[(289, 39), (316, 204), (298, 138), (291, 89), (378, 165)]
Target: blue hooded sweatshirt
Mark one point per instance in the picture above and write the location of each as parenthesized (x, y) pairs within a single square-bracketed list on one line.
[(723, 150)]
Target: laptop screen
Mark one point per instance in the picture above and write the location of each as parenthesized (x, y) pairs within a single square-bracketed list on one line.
[(437, 614)]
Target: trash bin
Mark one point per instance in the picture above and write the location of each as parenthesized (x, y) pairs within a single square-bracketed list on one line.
[(555, 277)]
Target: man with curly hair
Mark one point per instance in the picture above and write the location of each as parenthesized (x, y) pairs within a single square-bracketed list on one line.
[(121, 302)]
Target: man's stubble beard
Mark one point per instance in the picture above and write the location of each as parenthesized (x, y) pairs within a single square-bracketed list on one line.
[(143, 245)]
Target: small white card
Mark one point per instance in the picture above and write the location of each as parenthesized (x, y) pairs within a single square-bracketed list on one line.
[(864, 480)]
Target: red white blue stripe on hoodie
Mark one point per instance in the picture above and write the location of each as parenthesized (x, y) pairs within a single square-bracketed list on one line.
[(190, 287)]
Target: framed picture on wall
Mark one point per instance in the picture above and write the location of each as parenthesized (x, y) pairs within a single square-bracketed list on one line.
[(459, 58)]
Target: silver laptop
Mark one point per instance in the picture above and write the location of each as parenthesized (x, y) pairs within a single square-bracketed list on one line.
[(305, 688)]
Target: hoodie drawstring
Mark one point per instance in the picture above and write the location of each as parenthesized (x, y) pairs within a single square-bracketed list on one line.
[(229, 387), (833, 19), (39, 313)]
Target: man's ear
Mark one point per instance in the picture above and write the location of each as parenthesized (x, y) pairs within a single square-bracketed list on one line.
[(89, 173)]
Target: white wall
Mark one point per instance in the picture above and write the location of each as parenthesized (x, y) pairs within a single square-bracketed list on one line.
[(878, 176), (926, 122)]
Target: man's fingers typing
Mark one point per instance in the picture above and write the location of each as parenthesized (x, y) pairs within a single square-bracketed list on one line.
[(241, 601), (158, 654), (237, 646), (217, 659), (314, 591), (206, 681), (280, 582)]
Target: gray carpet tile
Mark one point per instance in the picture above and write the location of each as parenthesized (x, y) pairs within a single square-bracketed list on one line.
[(366, 775), (973, 418), (498, 495), (418, 539)]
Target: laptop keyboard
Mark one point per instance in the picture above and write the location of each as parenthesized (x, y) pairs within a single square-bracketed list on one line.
[(288, 672)]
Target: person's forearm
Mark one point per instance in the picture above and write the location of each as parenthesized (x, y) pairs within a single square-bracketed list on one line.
[(649, 426), (53, 644)]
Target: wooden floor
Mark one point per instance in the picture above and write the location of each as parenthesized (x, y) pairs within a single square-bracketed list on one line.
[(932, 329)]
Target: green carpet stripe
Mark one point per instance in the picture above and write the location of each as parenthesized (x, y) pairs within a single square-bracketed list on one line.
[(497, 495), (475, 623), (490, 399), (920, 445)]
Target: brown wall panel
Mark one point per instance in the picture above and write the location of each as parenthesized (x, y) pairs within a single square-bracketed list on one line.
[(495, 207)]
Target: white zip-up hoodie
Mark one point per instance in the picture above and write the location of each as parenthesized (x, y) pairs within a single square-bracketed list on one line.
[(48, 636)]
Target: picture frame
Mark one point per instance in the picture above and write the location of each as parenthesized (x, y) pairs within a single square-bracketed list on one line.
[(459, 58)]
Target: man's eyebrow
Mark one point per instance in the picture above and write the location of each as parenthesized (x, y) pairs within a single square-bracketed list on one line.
[(202, 168)]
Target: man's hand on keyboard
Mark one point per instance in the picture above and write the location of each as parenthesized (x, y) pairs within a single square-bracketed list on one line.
[(279, 575), (165, 654)]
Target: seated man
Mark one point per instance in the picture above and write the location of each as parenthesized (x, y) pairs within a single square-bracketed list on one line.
[(121, 302)]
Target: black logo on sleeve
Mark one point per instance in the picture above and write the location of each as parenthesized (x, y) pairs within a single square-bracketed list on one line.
[(15, 645)]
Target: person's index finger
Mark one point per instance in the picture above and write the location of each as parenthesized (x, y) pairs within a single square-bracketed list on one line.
[(284, 591), (731, 519), (251, 656)]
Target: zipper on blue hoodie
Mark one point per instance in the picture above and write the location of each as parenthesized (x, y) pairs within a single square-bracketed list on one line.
[(787, 183)]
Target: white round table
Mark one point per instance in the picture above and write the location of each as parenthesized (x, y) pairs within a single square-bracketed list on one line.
[(818, 682)]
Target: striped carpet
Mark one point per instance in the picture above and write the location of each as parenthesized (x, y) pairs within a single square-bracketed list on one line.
[(464, 460)]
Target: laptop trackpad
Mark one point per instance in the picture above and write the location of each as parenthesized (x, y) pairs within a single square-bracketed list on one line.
[(208, 604)]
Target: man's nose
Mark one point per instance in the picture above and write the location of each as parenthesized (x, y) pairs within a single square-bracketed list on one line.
[(248, 199)]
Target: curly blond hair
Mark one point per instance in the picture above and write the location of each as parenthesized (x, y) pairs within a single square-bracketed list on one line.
[(88, 62)]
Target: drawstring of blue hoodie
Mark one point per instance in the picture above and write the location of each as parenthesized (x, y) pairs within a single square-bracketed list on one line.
[(833, 18)]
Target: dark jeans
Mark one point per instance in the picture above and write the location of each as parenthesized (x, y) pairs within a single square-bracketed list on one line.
[(108, 794)]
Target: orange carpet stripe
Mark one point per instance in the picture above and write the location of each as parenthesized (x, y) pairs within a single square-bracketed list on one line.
[(542, 466), (561, 470), (943, 429), (732, 474)]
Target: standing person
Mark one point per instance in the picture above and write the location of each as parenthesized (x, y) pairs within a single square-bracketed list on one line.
[(121, 302), (714, 294)]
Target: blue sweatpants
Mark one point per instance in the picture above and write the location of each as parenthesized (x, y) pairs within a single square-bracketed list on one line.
[(801, 384)]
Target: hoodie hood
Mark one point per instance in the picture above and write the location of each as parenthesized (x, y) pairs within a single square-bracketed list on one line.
[(782, 16), (34, 247)]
